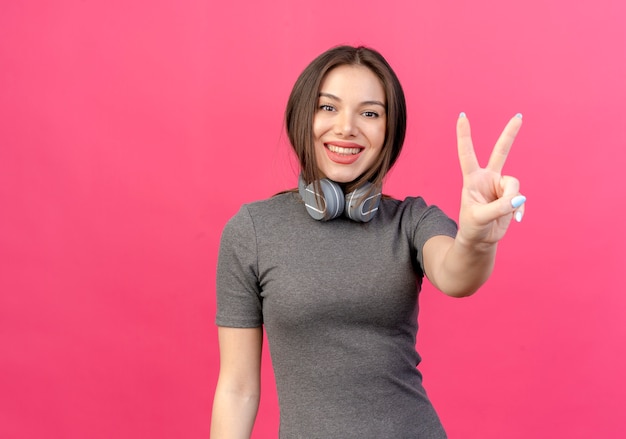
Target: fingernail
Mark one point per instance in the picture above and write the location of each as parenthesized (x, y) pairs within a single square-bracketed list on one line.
[(518, 201), (518, 216), (462, 114), (519, 115)]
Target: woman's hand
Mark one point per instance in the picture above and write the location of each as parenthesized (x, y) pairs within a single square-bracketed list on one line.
[(489, 200)]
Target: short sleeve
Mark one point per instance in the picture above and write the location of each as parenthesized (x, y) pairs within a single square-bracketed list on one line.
[(429, 221), (237, 286)]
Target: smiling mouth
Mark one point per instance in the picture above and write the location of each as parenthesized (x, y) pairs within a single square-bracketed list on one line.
[(343, 151)]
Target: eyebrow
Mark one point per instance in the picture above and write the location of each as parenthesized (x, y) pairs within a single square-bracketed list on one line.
[(336, 98)]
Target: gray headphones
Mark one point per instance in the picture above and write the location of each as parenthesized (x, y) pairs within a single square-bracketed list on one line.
[(359, 205)]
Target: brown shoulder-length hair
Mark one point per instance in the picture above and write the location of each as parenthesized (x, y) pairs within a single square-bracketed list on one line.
[(303, 102)]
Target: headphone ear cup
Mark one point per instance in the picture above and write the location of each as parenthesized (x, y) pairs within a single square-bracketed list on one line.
[(362, 204), (325, 206)]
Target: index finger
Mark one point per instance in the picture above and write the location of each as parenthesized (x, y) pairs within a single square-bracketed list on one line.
[(504, 143), (467, 155)]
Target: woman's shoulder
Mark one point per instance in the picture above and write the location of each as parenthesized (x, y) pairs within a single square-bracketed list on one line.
[(266, 218), (273, 204), (407, 203), (414, 209), (276, 206)]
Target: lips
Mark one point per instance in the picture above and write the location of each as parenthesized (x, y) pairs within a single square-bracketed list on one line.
[(343, 153), (342, 150)]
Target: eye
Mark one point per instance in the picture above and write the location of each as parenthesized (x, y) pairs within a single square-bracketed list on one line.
[(370, 114), (326, 107)]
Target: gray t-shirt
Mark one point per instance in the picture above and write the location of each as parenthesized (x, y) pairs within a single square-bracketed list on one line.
[(338, 300)]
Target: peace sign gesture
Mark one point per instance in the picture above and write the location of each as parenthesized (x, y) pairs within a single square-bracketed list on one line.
[(489, 200)]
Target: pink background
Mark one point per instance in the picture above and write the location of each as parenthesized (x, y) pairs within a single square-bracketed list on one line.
[(131, 131)]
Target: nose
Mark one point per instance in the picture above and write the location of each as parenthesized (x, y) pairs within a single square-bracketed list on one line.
[(345, 125)]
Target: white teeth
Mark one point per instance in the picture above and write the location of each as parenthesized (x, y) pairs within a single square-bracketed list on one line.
[(340, 150)]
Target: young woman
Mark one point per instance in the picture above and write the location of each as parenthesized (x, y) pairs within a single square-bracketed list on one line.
[(333, 270)]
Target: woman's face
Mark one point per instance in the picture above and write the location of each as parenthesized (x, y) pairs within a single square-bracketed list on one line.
[(349, 123)]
